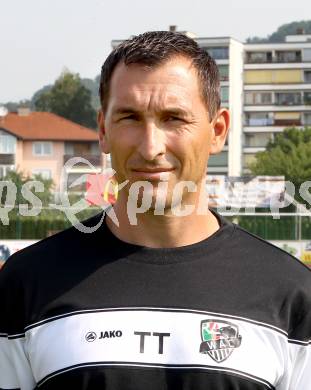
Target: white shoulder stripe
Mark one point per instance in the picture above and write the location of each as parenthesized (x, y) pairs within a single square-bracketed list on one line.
[(165, 309), (293, 341), (12, 336)]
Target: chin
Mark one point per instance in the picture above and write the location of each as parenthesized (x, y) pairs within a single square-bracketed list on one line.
[(153, 200)]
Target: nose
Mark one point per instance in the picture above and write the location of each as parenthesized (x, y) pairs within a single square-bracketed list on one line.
[(152, 142)]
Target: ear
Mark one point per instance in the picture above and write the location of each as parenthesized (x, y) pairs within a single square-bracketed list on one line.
[(220, 128), (103, 141)]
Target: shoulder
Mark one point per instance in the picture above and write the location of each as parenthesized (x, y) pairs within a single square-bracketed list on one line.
[(269, 268), (280, 282), (35, 276), (269, 256), (68, 244)]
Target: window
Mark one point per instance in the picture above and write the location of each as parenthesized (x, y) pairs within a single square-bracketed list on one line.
[(307, 97), (7, 143), (258, 98), (308, 76), (95, 151), (279, 76), (218, 160), (224, 94), (42, 148), (45, 173), (307, 118), (287, 98), (218, 53), (223, 72), (306, 55), (259, 119), (257, 57), (288, 56), (69, 149), (248, 98), (257, 140)]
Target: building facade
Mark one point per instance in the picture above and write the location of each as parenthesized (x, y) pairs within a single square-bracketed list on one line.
[(277, 91), (228, 54), (41, 143)]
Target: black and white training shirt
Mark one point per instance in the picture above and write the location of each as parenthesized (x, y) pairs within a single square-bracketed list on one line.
[(88, 311)]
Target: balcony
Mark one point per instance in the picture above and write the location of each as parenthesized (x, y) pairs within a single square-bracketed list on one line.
[(257, 140), (258, 58), (289, 102), (273, 122), (287, 122), (288, 57), (269, 58), (307, 98), (7, 159), (259, 122), (95, 160)]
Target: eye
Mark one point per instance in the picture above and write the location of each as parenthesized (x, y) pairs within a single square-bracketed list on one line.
[(129, 117), (174, 118)]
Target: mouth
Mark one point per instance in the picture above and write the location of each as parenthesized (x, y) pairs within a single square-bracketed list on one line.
[(155, 173)]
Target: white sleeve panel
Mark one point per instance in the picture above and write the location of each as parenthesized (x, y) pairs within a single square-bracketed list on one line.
[(301, 372), (298, 371), (15, 370)]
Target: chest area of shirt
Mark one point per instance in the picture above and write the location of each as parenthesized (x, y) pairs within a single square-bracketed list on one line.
[(157, 338)]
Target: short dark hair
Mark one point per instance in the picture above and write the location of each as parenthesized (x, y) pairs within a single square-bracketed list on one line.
[(156, 47)]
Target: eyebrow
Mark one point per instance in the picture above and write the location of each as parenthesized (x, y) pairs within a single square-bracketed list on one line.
[(125, 110), (169, 110)]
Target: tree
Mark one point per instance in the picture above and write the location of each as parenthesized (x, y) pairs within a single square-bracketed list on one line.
[(69, 99), (37, 94), (285, 29), (93, 86), (290, 29), (289, 155), (13, 106), (19, 179)]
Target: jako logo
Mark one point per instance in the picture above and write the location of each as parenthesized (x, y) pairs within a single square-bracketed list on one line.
[(90, 336), (107, 334)]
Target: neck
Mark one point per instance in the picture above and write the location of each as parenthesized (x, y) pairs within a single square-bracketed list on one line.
[(168, 230)]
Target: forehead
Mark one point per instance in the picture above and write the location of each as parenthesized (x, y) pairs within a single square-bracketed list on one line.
[(174, 81)]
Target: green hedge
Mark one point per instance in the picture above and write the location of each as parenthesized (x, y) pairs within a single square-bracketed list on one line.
[(50, 221), (41, 226), (285, 228)]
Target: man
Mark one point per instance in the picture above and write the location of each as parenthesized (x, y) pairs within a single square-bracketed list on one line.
[(165, 294)]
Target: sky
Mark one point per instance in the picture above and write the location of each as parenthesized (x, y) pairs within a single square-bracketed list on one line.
[(41, 38)]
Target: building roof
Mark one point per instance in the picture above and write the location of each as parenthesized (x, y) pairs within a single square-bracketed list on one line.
[(45, 126)]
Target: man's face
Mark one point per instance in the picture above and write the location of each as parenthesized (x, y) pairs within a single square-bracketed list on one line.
[(156, 122)]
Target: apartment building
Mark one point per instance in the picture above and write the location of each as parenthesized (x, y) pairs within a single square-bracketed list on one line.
[(277, 91), (228, 54), (42, 142)]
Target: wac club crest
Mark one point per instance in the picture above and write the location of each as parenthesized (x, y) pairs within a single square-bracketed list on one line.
[(219, 339)]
